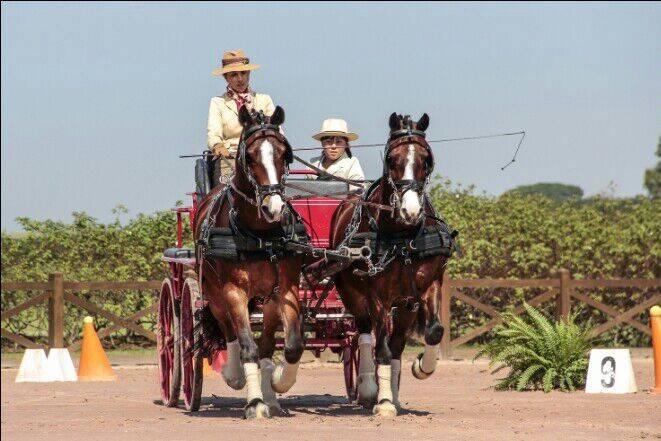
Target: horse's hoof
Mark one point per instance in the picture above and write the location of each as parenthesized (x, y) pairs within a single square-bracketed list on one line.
[(235, 380), (417, 370), (385, 409), (275, 409), (367, 390), (256, 410), (279, 382)]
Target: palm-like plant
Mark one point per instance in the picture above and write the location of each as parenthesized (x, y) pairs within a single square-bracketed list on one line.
[(538, 353)]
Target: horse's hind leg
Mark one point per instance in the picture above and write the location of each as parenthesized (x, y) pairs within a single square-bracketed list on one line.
[(403, 319), (237, 302), (266, 349), (284, 376), (425, 364), (232, 371), (358, 305)]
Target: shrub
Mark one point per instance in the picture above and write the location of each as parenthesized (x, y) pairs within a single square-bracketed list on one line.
[(539, 354)]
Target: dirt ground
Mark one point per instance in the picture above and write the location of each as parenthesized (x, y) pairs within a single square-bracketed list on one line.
[(455, 403)]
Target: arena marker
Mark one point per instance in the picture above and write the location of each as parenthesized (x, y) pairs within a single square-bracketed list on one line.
[(655, 324), (610, 371), (94, 365), (59, 366), (33, 367)]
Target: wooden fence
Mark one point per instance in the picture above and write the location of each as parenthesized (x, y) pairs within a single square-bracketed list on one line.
[(563, 290)]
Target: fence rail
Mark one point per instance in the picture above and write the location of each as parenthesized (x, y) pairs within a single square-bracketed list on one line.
[(563, 290)]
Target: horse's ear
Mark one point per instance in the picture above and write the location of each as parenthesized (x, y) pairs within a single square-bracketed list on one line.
[(244, 116), (278, 116), (422, 123), (393, 121)]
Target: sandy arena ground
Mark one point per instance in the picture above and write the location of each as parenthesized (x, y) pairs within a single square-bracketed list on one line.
[(454, 404)]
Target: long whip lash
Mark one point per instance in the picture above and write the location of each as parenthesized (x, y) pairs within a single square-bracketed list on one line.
[(522, 133)]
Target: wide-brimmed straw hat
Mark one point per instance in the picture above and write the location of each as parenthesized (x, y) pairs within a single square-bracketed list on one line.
[(335, 127), (234, 61)]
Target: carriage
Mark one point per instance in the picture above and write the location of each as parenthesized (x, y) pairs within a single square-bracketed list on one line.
[(327, 325)]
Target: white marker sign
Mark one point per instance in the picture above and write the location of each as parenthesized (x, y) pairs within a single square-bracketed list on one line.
[(610, 372)]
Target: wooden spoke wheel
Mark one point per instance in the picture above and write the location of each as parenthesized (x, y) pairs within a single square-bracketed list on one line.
[(191, 348), (169, 361), (350, 361)]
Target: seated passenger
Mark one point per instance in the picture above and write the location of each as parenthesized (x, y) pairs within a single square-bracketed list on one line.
[(336, 158), (223, 127)]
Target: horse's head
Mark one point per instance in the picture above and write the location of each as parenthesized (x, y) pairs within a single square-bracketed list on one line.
[(408, 164), (263, 158)]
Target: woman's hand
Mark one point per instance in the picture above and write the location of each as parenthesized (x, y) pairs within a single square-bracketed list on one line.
[(220, 150)]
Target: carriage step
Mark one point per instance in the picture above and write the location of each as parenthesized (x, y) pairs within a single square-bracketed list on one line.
[(177, 253)]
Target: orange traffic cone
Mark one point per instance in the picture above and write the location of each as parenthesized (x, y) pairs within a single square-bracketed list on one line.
[(94, 365), (655, 323)]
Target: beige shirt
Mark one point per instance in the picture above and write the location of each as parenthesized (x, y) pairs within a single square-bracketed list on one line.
[(344, 167), (223, 124)]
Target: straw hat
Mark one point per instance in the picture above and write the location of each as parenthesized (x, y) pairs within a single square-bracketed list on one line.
[(335, 127), (234, 61)]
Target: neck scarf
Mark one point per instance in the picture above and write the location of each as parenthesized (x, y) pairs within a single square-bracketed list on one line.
[(241, 99)]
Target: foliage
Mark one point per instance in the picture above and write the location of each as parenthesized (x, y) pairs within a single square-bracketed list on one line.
[(539, 354), (653, 176), (512, 236), (554, 191)]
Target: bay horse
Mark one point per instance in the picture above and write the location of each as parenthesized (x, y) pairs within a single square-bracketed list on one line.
[(253, 208), (405, 280)]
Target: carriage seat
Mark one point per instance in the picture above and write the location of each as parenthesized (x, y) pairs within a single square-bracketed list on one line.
[(177, 253), (316, 185)]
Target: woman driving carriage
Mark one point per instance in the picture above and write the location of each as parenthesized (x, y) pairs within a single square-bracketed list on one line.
[(223, 127), (336, 158)]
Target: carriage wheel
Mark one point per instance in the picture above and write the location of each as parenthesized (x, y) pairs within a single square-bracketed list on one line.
[(191, 352), (169, 362), (350, 361)]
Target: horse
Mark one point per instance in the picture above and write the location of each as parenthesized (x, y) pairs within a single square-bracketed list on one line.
[(411, 285), (252, 208)]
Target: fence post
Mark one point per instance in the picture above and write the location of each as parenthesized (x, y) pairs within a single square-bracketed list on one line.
[(56, 311), (563, 300), (446, 294)]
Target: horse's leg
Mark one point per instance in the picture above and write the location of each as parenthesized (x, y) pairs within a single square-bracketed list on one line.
[(237, 302), (232, 370), (425, 364), (358, 305), (384, 406), (266, 349), (403, 319), (284, 376)]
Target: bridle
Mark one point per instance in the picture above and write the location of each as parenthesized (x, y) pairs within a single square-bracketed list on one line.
[(248, 137), (407, 136)]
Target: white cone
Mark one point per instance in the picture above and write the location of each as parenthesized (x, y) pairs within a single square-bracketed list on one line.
[(59, 366), (33, 366), (610, 372)]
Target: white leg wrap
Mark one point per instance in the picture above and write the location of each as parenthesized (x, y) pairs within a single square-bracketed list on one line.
[(284, 377), (366, 346), (384, 373), (266, 366), (253, 381), (396, 368), (428, 360), (232, 370)]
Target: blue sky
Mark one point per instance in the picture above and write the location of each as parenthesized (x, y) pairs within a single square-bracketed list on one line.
[(98, 100)]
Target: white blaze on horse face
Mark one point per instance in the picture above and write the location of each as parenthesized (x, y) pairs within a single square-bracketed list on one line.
[(275, 203), (410, 200)]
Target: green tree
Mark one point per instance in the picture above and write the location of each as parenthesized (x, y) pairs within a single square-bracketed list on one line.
[(653, 176), (554, 191)]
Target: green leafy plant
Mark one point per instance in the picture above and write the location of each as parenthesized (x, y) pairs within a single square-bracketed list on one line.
[(538, 353)]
